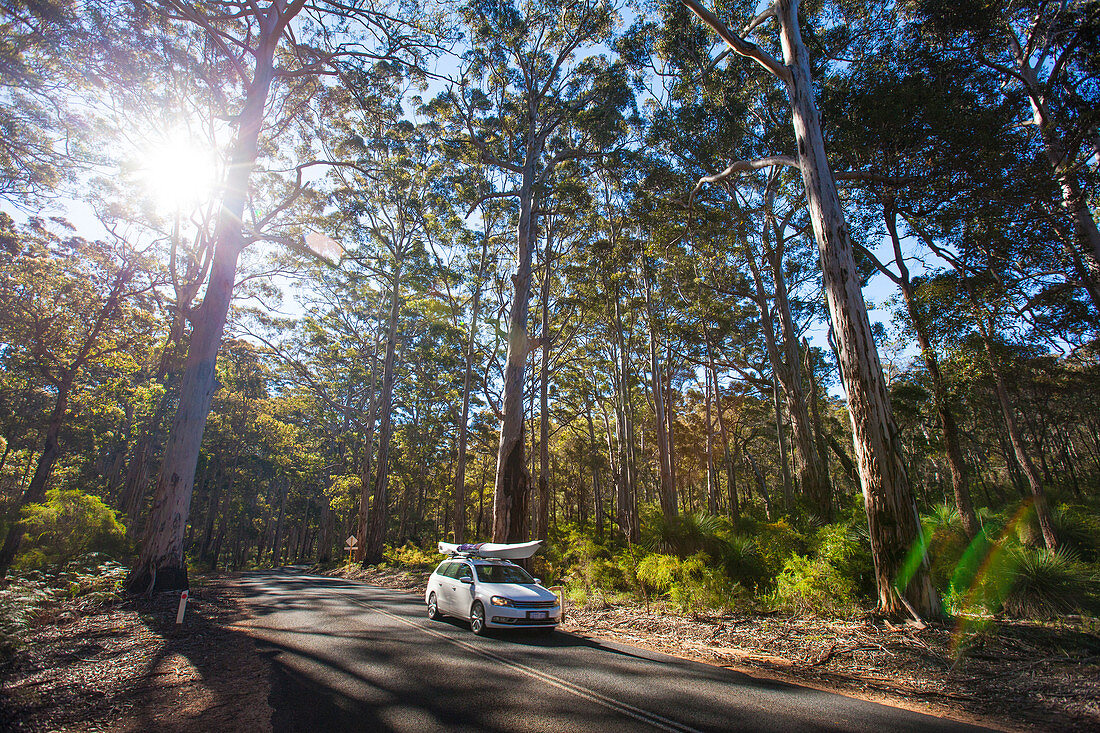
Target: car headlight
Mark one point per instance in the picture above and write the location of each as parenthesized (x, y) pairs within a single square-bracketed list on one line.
[(500, 601)]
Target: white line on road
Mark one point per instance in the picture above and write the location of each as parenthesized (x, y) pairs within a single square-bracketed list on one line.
[(657, 721)]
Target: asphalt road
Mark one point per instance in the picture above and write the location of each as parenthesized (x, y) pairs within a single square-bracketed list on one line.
[(348, 656)]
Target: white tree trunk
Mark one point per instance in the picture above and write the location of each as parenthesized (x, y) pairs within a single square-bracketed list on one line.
[(513, 480)]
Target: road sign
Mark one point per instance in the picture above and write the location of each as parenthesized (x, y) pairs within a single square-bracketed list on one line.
[(351, 542)]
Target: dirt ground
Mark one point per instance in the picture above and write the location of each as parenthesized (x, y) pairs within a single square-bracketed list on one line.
[(1016, 676), (124, 667)]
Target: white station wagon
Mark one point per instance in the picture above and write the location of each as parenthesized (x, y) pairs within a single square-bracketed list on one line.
[(491, 594)]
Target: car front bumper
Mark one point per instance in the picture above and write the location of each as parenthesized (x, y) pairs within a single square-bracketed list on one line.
[(503, 617)]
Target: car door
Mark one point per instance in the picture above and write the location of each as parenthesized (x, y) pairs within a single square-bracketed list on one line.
[(463, 593), (443, 593)]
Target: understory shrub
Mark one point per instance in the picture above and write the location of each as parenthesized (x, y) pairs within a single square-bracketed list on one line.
[(572, 547), (33, 596), (683, 534), (814, 586), (739, 557), (69, 523), (602, 570), (1002, 574), (778, 541), (947, 542), (411, 556), (1078, 529), (831, 581), (691, 584)]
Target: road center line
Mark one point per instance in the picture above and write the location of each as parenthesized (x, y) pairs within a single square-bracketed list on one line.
[(653, 719)]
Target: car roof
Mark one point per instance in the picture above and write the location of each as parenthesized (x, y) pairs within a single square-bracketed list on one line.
[(480, 560)]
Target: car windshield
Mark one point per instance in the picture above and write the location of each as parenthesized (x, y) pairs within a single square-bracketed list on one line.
[(502, 574)]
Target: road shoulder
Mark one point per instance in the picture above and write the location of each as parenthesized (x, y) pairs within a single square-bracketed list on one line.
[(123, 666)]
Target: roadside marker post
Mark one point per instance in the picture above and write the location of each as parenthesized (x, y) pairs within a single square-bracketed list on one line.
[(351, 543), (182, 608), (559, 591)]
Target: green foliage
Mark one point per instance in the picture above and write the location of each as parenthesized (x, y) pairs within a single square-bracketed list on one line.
[(67, 524), (1045, 584), (807, 585), (684, 534), (588, 565), (946, 543), (1002, 573), (410, 556), (615, 573), (739, 556), (1079, 529), (777, 542), (691, 584), (833, 580)]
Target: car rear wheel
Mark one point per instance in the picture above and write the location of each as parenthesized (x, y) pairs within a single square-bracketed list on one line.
[(433, 608), (477, 619)]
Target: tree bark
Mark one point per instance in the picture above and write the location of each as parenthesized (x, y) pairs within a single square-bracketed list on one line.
[(666, 489), (376, 529), (543, 518), (815, 415), (760, 486), (277, 543), (712, 483), (1042, 509), (1074, 200), (513, 481), (134, 489), (366, 480), (731, 468), (597, 495), (624, 426), (778, 375), (213, 509), (160, 565), (467, 381), (813, 478)]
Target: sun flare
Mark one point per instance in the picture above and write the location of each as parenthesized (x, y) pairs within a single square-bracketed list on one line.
[(180, 174)]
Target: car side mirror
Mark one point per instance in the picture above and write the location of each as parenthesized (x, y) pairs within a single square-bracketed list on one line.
[(538, 581), (466, 581)]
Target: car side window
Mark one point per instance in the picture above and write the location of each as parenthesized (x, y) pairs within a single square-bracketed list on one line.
[(445, 568), (464, 572)]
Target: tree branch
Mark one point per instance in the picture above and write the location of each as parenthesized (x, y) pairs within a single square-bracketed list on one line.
[(748, 49), (743, 166)]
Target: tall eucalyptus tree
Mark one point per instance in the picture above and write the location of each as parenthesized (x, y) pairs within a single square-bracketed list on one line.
[(532, 94), (891, 511), (266, 51)]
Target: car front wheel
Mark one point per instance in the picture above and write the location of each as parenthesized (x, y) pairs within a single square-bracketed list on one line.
[(433, 608), (477, 619)]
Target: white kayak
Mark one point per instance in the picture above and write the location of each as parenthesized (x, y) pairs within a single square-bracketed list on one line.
[(518, 551)]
